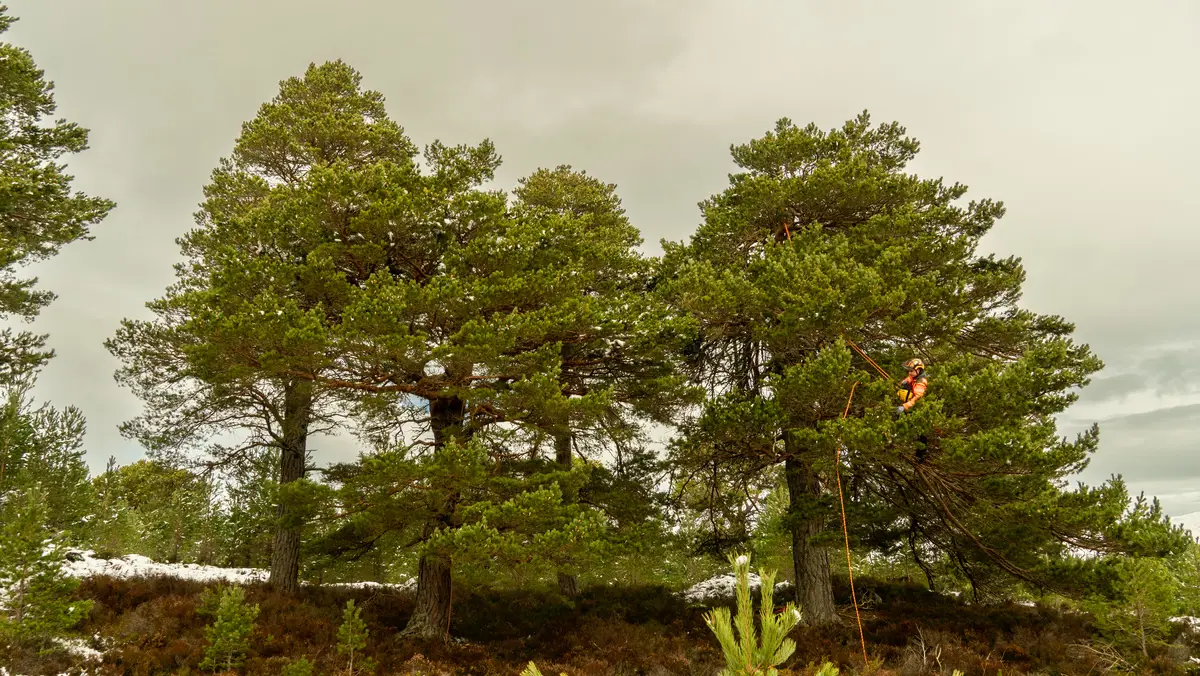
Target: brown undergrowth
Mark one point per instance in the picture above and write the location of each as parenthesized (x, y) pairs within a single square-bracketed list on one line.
[(153, 628)]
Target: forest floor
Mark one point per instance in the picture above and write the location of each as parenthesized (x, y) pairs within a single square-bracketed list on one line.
[(150, 625)]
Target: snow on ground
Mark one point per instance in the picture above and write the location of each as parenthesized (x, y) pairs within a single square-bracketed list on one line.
[(75, 646), (82, 564), (724, 587), (85, 564), (1192, 623), (80, 648)]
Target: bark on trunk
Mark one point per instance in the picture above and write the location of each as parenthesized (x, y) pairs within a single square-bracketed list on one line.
[(285, 552), (568, 585), (431, 616), (1142, 631), (814, 584)]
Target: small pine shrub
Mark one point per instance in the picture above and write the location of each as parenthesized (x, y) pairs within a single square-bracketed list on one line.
[(300, 667), (745, 654), (352, 637), (229, 634), (210, 599)]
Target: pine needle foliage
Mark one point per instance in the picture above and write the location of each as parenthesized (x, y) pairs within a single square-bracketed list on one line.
[(751, 651)]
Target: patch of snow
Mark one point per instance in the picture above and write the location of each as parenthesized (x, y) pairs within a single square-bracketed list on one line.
[(83, 564), (409, 585), (1192, 623), (80, 648), (723, 587), (137, 566)]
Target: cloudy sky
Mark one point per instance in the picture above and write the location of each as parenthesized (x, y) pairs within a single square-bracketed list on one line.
[(1079, 115)]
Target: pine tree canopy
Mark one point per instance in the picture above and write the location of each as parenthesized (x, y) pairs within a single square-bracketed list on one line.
[(294, 216), (39, 213), (823, 239)]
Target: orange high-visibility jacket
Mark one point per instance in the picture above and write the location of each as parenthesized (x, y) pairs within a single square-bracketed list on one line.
[(912, 389)]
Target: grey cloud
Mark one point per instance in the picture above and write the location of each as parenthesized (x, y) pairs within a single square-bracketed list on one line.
[(1168, 418), (1165, 371), (164, 90), (1146, 447), (1174, 371), (1117, 387)]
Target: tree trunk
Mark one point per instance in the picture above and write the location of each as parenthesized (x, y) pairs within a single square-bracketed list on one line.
[(285, 553), (814, 584), (1141, 618), (431, 616), (568, 585)]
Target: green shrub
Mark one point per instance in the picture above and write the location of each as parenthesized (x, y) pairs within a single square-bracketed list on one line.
[(352, 637), (229, 634), (300, 667), (745, 654)]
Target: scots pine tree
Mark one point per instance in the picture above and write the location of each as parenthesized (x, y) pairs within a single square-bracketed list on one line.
[(824, 242), (42, 448), (246, 523), (115, 529), (39, 213), (751, 649), (1138, 608), (517, 326), (628, 352), (320, 192), (36, 597), (175, 508), (352, 639), (44, 493)]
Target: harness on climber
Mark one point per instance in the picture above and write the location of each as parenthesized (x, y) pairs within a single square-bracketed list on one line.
[(913, 387)]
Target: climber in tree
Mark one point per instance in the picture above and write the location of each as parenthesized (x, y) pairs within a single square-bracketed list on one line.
[(913, 387)]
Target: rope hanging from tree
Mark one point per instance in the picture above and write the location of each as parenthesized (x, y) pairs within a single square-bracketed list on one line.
[(837, 462)]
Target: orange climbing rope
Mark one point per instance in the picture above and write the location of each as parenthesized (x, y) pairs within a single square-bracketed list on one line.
[(870, 361), (837, 463)]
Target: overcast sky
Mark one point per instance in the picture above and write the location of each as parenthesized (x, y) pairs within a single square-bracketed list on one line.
[(1079, 115)]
